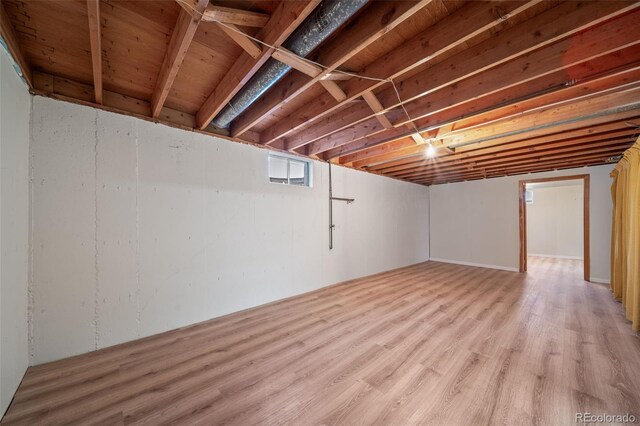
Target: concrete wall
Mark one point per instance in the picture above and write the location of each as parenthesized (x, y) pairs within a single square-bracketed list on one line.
[(477, 222), (555, 222), (15, 104), (139, 228)]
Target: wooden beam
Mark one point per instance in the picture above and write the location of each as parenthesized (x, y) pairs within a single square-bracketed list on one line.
[(508, 160), (585, 110), (296, 62), (181, 37), (577, 130), (539, 71), (80, 93), (461, 115), (285, 19), (553, 120), (334, 90), (382, 150), (231, 16), (458, 28), (512, 157), (376, 107), (570, 162), (11, 41), (593, 44), (510, 172), (373, 23), (592, 85), (241, 39), (543, 30), (93, 13), (310, 69), (337, 76), (413, 158)]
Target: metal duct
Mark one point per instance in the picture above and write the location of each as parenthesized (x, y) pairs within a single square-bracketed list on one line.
[(326, 18)]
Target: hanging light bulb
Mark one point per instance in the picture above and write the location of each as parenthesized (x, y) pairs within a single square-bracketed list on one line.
[(431, 151)]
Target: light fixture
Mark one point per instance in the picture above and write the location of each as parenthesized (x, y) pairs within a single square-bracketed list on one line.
[(431, 151)]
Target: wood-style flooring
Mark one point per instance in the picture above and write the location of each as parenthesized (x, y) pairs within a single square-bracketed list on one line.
[(429, 344)]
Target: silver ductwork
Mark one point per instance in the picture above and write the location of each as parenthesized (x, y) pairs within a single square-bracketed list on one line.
[(326, 18)]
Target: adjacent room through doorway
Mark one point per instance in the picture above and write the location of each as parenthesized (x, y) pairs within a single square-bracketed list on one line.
[(554, 226)]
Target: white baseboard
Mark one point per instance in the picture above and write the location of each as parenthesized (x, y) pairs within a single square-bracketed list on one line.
[(600, 280), (555, 256), (479, 265)]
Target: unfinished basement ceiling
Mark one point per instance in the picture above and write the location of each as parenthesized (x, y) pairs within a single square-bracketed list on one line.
[(498, 88)]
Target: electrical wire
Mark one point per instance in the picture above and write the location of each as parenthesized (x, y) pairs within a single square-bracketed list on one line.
[(324, 67)]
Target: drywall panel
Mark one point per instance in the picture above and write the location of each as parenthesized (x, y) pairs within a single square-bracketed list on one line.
[(477, 221), (182, 227), (15, 105), (555, 222)]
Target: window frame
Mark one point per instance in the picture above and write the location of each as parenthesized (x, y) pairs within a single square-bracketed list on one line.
[(308, 169)]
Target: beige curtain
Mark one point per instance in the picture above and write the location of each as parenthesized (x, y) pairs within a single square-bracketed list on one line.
[(625, 235)]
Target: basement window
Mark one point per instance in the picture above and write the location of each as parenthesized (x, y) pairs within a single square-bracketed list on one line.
[(289, 170)]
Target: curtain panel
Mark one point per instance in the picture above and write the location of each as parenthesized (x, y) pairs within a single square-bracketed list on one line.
[(625, 235)]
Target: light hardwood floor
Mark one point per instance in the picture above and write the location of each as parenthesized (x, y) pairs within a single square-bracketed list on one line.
[(428, 344)]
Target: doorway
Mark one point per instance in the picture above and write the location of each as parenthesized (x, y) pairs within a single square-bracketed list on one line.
[(526, 196)]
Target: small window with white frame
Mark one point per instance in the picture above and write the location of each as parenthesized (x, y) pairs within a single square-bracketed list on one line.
[(290, 170)]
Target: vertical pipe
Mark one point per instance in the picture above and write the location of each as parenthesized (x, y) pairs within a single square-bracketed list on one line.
[(330, 210)]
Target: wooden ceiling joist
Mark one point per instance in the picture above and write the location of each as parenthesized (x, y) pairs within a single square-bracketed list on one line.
[(584, 47), (464, 24), (334, 90), (310, 69), (593, 86), (386, 151), (591, 75), (512, 158), (559, 22), (602, 106), (532, 167), (241, 39), (181, 38), (227, 15), (413, 160), (378, 19), (294, 61), (376, 107), (285, 19), (11, 41), (498, 88), (544, 131), (93, 13), (538, 136)]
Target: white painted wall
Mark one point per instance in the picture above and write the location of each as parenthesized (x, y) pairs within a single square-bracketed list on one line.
[(139, 228), (15, 104), (555, 221), (477, 222)]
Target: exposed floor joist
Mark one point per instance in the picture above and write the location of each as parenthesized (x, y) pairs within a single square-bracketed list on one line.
[(375, 22), (468, 22), (545, 29), (183, 33), (10, 40), (93, 13), (454, 73), (281, 24)]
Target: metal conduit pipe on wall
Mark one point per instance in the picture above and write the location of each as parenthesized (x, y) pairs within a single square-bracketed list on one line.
[(327, 18)]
